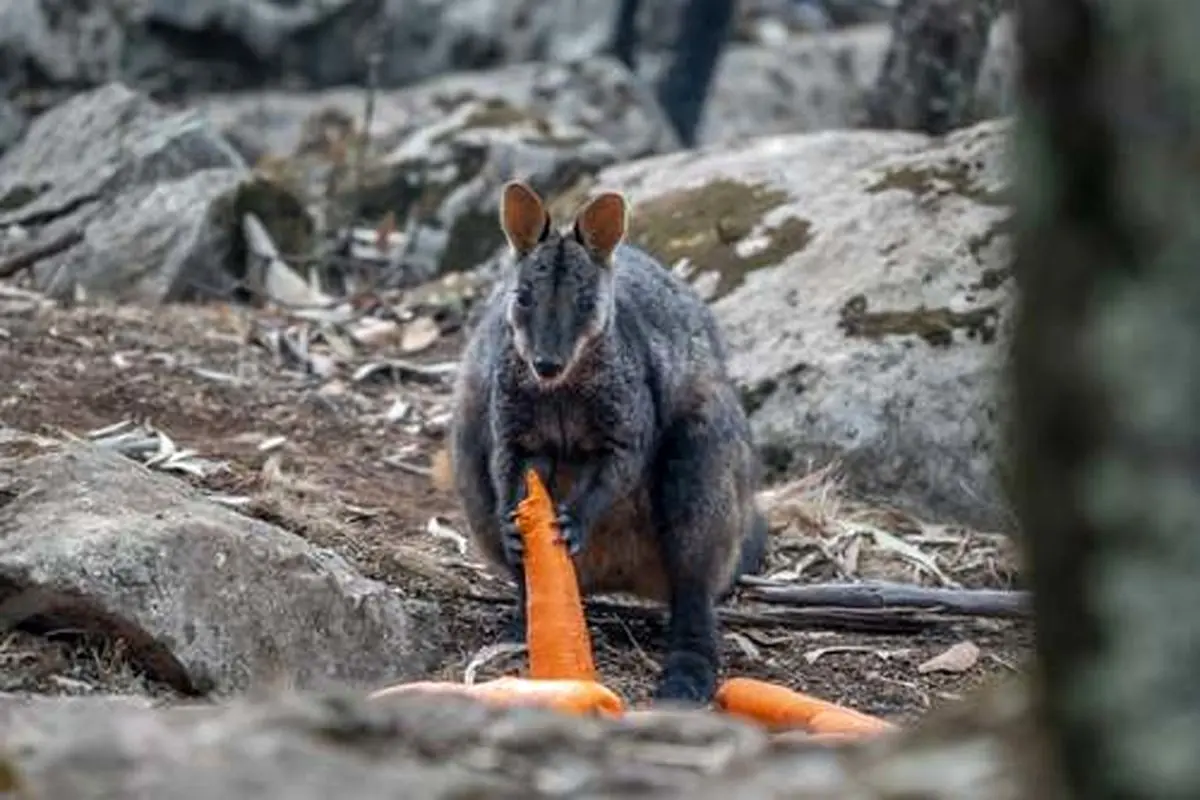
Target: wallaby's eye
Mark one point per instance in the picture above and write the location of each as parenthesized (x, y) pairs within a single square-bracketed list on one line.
[(524, 297), (585, 303)]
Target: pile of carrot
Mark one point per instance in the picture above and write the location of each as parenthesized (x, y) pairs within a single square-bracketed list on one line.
[(562, 673)]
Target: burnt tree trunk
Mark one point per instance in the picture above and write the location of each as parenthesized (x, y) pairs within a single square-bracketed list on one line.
[(929, 73), (684, 86), (1107, 385), (625, 37)]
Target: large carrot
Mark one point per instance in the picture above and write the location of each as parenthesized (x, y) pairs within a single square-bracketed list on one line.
[(780, 708), (557, 636), (571, 696)]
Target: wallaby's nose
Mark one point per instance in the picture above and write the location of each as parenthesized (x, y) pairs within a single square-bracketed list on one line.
[(547, 367)]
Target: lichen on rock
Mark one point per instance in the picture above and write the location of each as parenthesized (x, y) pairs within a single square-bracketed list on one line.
[(700, 228)]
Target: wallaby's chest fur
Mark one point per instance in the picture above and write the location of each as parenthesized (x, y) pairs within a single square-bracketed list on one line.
[(571, 422)]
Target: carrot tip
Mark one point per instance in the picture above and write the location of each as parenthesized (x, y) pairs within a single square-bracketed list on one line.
[(780, 708), (557, 635), (568, 696)]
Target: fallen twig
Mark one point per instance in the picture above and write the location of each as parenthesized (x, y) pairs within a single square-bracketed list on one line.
[(407, 466), (882, 595), (848, 620), (399, 369), (24, 260), (268, 274)]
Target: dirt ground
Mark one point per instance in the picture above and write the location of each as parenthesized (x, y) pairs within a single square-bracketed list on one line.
[(352, 473)]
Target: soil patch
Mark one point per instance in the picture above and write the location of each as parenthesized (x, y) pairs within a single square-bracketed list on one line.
[(350, 474)]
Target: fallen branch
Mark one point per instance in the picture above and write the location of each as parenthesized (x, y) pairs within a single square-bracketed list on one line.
[(883, 595), (882, 621), (270, 275), (24, 260), (407, 466), (847, 620), (400, 369)]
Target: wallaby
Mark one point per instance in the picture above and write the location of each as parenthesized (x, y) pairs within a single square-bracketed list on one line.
[(599, 368)]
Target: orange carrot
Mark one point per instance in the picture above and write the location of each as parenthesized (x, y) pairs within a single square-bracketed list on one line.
[(779, 708), (570, 696), (557, 637)]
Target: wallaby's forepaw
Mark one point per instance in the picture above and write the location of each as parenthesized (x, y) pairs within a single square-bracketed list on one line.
[(569, 530), (687, 679), (510, 538)]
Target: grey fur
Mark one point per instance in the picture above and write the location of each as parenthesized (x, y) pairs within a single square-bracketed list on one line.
[(641, 437)]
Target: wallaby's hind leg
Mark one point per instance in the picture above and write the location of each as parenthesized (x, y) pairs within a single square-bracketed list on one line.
[(700, 517), (754, 552)]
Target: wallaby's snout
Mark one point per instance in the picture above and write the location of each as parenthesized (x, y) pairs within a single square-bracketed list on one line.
[(553, 340), (547, 368)]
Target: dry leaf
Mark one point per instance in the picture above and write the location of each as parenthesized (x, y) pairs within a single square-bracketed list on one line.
[(748, 648), (811, 656), (373, 331), (440, 470), (488, 654), (439, 529), (269, 274), (419, 334), (384, 231), (398, 411), (273, 443), (957, 658)]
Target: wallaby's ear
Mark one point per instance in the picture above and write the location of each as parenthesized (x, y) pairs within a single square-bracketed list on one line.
[(523, 218), (600, 225)]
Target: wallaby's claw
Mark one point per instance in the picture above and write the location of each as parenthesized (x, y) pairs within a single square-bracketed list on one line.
[(569, 530), (510, 534)]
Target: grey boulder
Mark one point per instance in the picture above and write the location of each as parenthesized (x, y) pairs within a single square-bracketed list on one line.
[(862, 279), (207, 599), (130, 202), (819, 81)]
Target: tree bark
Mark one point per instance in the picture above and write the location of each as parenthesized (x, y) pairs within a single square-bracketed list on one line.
[(625, 37), (1107, 385), (928, 78), (684, 85)]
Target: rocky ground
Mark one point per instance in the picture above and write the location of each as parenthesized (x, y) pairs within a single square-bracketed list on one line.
[(229, 322), (344, 466)]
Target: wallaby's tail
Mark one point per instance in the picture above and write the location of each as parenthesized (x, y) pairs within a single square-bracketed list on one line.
[(754, 548)]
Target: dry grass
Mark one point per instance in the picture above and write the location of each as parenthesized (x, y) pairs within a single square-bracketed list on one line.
[(71, 665), (821, 534)]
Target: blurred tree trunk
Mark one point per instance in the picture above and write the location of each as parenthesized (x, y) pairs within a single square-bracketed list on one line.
[(625, 38), (684, 85), (928, 77), (1107, 385), (683, 88)]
